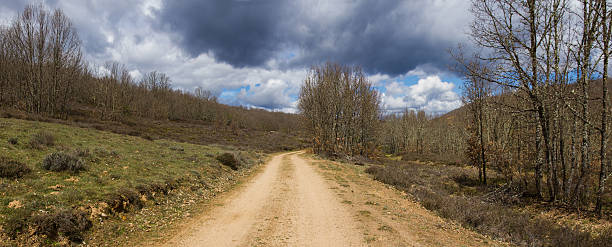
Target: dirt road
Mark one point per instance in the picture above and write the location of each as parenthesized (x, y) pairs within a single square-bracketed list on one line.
[(296, 201)]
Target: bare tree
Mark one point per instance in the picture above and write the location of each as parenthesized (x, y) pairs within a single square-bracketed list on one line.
[(341, 108)]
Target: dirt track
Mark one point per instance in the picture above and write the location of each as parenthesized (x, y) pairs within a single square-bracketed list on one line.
[(296, 202)]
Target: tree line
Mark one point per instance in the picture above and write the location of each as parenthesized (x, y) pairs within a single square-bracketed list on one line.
[(419, 134), (42, 71)]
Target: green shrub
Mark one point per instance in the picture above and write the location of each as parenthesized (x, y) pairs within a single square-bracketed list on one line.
[(58, 162), (69, 223), (12, 169), (228, 159), (13, 141), (82, 153), (42, 139)]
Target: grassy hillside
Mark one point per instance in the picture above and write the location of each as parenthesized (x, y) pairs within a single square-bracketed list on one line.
[(272, 138), (121, 174)]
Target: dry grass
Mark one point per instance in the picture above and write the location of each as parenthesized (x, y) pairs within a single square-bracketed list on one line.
[(42, 139), (453, 193)]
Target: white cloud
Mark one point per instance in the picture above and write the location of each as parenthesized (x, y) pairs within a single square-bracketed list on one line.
[(430, 94), (271, 95), (378, 78)]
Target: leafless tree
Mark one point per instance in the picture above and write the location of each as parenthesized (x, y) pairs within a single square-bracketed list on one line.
[(341, 108)]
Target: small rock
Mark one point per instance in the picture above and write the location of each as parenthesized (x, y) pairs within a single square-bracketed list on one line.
[(15, 204), (56, 187)]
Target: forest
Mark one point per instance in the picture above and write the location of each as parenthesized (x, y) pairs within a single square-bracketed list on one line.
[(536, 104)]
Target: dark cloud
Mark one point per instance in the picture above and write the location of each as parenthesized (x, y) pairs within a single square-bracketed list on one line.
[(391, 36), (243, 33)]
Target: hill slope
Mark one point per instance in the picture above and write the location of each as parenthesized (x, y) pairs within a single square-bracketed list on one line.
[(122, 174)]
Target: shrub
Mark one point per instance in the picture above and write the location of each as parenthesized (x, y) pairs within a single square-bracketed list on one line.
[(466, 180), (82, 153), (123, 200), (42, 139), (228, 159), (373, 170), (58, 162), (16, 222), (70, 223), (12, 169), (13, 141)]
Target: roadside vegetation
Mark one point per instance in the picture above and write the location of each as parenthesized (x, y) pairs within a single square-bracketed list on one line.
[(56, 194), (499, 210)]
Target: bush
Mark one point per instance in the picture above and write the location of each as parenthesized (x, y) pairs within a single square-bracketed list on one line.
[(42, 139), (82, 153), (148, 137), (16, 222), (12, 169), (13, 141), (70, 223), (228, 159), (58, 162), (123, 200), (373, 170)]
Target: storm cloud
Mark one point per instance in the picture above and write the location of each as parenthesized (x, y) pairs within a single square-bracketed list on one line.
[(391, 36), (256, 53)]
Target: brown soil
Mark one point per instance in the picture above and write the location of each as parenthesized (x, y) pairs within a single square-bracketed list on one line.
[(299, 201)]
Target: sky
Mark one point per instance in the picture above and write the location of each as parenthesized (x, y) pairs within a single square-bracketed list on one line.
[(256, 53)]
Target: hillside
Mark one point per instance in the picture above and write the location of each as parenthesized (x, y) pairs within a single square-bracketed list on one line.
[(95, 179), (195, 132), (458, 116)]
